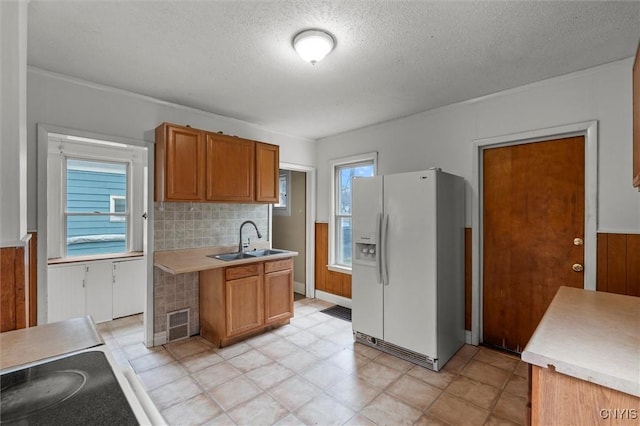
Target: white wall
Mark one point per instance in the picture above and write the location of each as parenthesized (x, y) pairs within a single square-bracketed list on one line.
[(444, 137), (13, 122), (65, 102)]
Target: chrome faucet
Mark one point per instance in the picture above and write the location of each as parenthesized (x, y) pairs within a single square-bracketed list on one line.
[(240, 248)]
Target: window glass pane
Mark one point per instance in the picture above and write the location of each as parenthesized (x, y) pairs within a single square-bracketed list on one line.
[(96, 188), (95, 235), (345, 175), (119, 205), (283, 192), (343, 241)]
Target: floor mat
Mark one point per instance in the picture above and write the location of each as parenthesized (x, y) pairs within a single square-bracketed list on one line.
[(338, 312)]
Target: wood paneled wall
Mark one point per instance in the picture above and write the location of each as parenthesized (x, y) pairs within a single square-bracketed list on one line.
[(467, 279), (618, 267), (33, 279), (326, 280), (619, 263), (14, 288)]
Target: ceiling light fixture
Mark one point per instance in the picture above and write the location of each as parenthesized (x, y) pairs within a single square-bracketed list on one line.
[(313, 45)]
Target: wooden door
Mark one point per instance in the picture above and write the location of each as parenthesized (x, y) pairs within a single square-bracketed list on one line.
[(244, 305), (267, 172), (230, 168), (180, 164), (278, 296), (533, 209)]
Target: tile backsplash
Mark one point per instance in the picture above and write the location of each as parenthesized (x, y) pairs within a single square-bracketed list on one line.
[(187, 225)]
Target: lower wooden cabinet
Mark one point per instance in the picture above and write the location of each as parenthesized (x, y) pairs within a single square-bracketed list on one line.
[(240, 301), (244, 304), (278, 290), (558, 399)]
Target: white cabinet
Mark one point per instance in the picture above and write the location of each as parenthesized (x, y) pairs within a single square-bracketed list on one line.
[(104, 289), (99, 291), (129, 285), (66, 286)]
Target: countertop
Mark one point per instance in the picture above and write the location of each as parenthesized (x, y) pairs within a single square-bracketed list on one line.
[(593, 336), (194, 260), (27, 345)]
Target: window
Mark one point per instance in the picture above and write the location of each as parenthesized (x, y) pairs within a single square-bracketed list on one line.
[(343, 173), (95, 207), (283, 207), (117, 204)]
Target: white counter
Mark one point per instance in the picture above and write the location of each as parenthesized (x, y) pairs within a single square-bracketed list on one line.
[(592, 336)]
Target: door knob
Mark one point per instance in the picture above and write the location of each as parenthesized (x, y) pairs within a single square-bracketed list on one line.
[(577, 267), (578, 242)]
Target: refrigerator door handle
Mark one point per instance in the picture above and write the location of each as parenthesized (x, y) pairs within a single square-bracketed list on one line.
[(383, 247), (379, 249)]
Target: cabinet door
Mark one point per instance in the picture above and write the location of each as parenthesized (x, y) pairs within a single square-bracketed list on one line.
[(230, 168), (66, 290), (244, 305), (278, 296), (99, 283), (267, 170), (129, 286), (183, 167)]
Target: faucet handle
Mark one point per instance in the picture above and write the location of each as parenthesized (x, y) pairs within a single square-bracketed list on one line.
[(246, 245)]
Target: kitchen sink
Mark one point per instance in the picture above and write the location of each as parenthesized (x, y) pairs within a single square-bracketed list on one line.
[(247, 254), (231, 256), (265, 252)]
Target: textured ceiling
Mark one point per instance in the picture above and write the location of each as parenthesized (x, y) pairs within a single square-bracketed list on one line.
[(392, 59)]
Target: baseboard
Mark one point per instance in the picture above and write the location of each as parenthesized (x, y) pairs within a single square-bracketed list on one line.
[(160, 338), (333, 298), (299, 287), (467, 337)]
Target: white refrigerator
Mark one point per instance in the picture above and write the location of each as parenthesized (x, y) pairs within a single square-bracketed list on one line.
[(408, 265)]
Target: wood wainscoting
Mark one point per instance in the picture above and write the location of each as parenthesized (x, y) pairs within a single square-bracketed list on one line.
[(15, 286), (326, 280), (619, 263)]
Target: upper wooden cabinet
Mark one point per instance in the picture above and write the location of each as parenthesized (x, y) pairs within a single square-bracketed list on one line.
[(267, 171), (195, 165), (636, 120), (180, 164), (230, 168)]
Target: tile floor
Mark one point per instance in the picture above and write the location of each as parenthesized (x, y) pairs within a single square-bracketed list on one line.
[(311, 372)]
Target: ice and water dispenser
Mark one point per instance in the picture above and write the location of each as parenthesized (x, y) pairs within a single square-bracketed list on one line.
[(365, 248)]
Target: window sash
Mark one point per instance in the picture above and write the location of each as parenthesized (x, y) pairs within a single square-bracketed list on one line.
[(341, 242), (114, 217)]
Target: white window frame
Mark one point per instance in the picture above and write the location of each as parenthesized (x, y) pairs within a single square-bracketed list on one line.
[(333, 166), (279, 210), (113, 217), (59, 147)]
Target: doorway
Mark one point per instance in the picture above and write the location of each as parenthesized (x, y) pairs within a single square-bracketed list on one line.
[(533, 218), (289, 223), (306, 257), (589, 131)]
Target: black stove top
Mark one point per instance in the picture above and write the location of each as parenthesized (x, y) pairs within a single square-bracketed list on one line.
[(77, 390)]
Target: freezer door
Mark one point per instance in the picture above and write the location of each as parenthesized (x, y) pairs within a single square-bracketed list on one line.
[(410, 259), (366, 288)]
